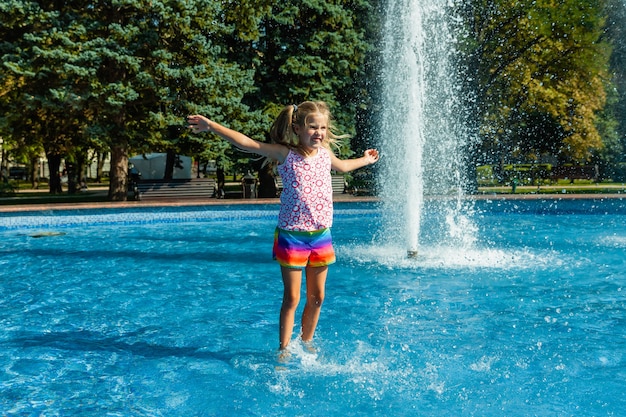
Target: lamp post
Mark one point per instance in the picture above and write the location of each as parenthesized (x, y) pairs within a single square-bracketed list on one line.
[(1, 155), (4, 170)]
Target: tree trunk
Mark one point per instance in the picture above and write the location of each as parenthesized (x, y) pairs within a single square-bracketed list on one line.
[(118, 187), (170, 162), (34, 172), (267, 182), (54, 166), (100, 166), (70, 167), (470, 156), (81, 170)]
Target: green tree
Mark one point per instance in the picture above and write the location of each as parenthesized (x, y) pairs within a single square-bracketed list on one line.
[(537, 70), (313, 50), (162, 61), (117, 75), (614, 117), (36, 113), (121, 76)]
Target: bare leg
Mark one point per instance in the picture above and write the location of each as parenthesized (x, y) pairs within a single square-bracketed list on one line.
[(292, 280), (315, 291)]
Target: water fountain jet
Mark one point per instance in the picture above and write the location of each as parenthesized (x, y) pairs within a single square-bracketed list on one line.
[(421, 136)]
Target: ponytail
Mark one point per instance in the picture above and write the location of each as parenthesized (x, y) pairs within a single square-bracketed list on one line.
[(282, 131)]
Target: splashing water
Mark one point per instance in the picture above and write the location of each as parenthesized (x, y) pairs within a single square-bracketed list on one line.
[(421, 138)]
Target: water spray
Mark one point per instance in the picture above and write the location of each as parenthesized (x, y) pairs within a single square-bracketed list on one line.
[(422, 136)]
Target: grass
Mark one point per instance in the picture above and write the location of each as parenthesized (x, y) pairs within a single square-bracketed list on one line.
[(43, 198), (561, 187), (24, 194)]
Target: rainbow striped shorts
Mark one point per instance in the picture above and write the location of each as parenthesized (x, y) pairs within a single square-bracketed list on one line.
[(296, 249)]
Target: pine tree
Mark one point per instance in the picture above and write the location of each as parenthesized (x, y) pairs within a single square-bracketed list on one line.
[(313, 50), (117, 75)]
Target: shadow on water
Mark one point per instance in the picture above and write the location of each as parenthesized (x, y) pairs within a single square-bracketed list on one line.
[(209, 255), (90, 341)]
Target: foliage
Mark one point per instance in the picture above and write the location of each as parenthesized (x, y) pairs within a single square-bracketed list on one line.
[(7, 189), (543, 77), (116, 75), (614, 115), (313, 50), (540, 76)]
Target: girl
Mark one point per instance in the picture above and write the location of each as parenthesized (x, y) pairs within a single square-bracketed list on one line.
[(301, 137)]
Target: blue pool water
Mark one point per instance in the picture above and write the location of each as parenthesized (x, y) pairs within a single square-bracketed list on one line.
[(174, 311)]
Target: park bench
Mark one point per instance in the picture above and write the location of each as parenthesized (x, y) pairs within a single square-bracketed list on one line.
[(175, 188), (338, 183)]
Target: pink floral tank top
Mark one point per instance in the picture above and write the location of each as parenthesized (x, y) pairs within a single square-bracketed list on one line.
[(307, 196)]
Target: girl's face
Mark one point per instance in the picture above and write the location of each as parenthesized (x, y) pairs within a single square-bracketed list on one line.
[(313, 134)]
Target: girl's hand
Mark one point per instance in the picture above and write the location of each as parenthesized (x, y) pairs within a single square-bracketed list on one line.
[(371, 156), (198, 123)]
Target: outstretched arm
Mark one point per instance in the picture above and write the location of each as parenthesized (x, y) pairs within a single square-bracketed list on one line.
[(369, 157), (199, 123)]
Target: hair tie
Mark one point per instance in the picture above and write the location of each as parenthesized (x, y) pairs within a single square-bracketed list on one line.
[(295, 108)]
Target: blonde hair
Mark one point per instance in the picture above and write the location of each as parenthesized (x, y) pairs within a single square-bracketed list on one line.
[(282, 131)]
